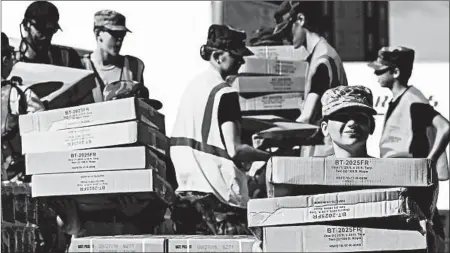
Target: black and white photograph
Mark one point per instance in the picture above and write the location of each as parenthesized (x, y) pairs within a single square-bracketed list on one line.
[(225, 126)]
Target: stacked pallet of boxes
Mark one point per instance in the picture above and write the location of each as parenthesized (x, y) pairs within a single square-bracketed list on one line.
[(346, 205), (93, 153)]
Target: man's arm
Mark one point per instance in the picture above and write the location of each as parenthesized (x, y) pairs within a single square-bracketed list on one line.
[(442, 140), (229, 121), (320, 82)]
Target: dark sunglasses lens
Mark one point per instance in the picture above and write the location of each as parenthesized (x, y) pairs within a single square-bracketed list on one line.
[(117, 34), (381, 71)]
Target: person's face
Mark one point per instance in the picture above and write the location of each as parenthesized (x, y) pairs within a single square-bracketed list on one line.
[(298, 31), (348, 129), (111, 41), (230, 63), (386, 76), (41, 33), (7, 63)]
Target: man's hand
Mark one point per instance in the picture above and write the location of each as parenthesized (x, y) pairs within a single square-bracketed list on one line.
[(130, 205), (67, 216)]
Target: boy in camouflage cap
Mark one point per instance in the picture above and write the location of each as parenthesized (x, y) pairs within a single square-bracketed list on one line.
[(348, 119)]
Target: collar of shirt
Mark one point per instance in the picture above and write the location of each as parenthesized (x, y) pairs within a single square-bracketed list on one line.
[(213, 73), (397, 98)]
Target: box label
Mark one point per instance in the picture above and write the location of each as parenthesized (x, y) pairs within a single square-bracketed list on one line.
[(282, 84), (79, 137), (353, 170), (75, 116), (344, 237), (88, 183), (335, 211), (83, 160)]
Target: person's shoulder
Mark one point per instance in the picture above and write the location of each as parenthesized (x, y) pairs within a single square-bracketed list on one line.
[(64, 48), (324, 49), (134, 59)]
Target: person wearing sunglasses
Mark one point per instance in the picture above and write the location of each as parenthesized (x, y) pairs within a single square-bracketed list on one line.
[(205, 144), (299, 21), (39, 25), (413, 128), (348, 119), (109, 65)]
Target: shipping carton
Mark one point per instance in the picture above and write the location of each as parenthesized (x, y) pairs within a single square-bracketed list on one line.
[(269, 84), (92, 114), (278, 101), (88, 160), (135, 243), (274, 67), (131, 132), (327, 238), (287, 52), (402, 172), (210, 244), (361, 204), (63, 87), (103, 182)]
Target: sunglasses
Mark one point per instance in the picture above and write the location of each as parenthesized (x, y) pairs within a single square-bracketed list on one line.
[(116, 34), (345, 117), (380, 72), (45, 28)]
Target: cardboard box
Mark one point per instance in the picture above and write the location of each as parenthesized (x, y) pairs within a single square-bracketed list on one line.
[(121, 158), (92, 114), (361, 204), (135, 243), (210, 244), (88, 183), (269, 84), (59, 86), (271, 101), (401, 172), (287, 52), (152, 243), (326, 238), (131, 132), (274, 67)]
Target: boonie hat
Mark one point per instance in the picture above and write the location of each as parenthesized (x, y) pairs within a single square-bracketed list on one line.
[(110, 20), (43, 13), (228, 39), (401, 57), (342, 97)]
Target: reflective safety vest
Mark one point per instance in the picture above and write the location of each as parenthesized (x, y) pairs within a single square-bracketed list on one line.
[(398, 135), (199, 156), (133, 69), (57, 55), (320, 52)]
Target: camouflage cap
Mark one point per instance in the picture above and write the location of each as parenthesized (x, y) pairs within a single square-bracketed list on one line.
[(111, 20), (228, 39), (341, 97)]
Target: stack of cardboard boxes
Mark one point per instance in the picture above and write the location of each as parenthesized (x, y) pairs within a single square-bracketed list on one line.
[(346, 205), (271, 82), (93, 153)]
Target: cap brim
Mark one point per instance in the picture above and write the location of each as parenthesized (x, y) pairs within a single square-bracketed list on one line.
[(156, 104), (121, 28), (347, 105), (243, 51), (376, 65), (281, 27)]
